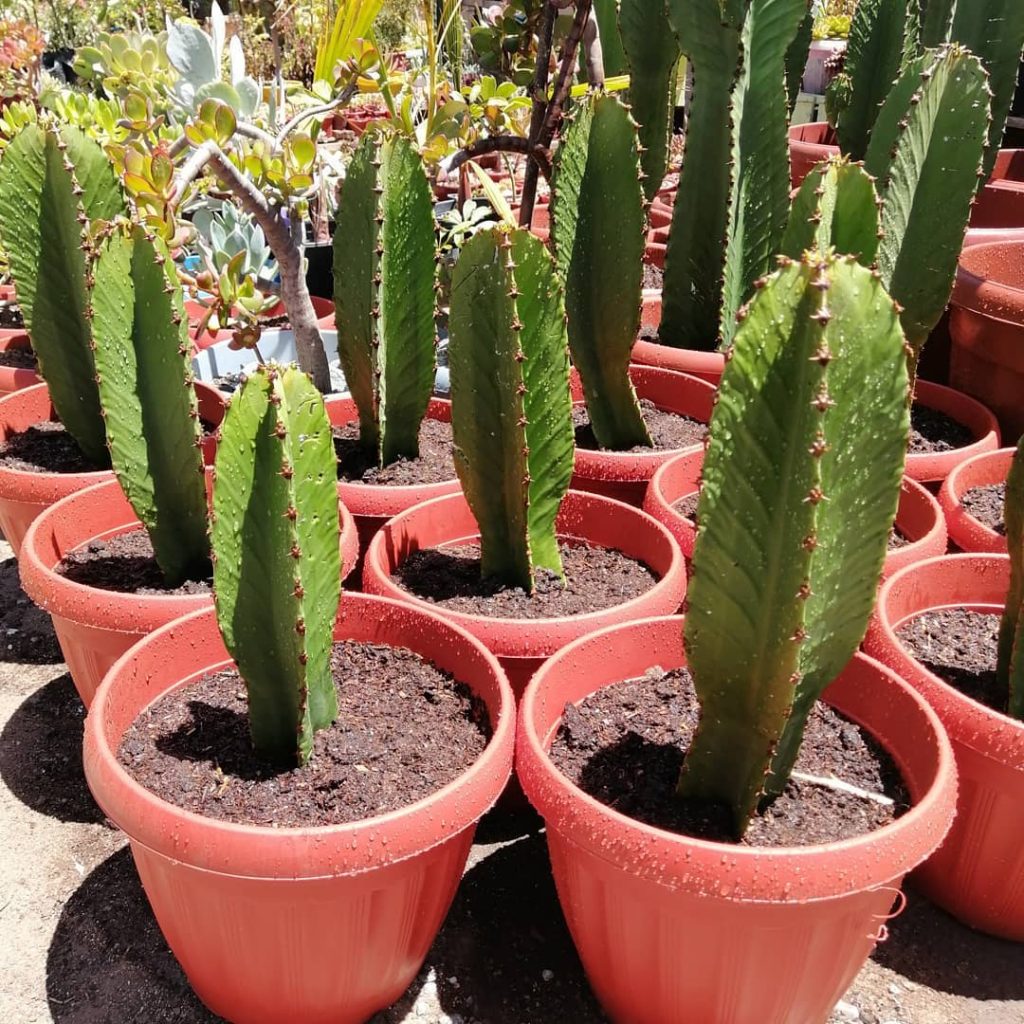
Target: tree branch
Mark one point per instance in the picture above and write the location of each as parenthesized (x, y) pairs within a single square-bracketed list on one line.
[(325, 108), (563, 80), (540, 105), (499, 144)]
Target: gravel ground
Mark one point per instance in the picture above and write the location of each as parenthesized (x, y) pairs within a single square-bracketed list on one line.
[(78, 945)]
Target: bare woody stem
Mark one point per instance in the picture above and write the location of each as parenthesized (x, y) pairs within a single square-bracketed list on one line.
[(502, 144), (540, 102)]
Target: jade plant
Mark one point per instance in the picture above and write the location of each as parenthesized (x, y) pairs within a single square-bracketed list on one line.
[(598, 231), (801, 481), (277, 566), (55, 184), (511, 409), (144, 377), (384, 277), (1010, 664)]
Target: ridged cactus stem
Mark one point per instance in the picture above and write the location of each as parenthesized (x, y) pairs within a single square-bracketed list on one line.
[(1010, 668), (653, 52), (277, 566), (800, 485), (796, 58), (384, 275), (598, 230), (511, 410), (144, 375), (54, 183)]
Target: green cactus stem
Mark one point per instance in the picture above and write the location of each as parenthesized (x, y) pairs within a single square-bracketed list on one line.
[(759, 199), (598, 230), (836, 208), (653, 52), (925, 154), (612, 52), (384, 276), (53, 184), (511, 410), (1010, 666), (800, 486), (277, 566), (880, 35), (144, 375), (796, 58)]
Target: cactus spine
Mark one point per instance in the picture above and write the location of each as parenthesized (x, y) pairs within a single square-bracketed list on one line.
[(925, 153), (277, 568), (598, 232), (800, 486), (837, 208), (653, 52), (144, 375), (1010, 667), (53, 184), (384, 275), (511, 410)]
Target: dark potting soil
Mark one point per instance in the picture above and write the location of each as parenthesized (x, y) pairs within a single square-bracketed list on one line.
[(897, 539), (960, 647), (668, 430), (934, 431), (687, 505), (18, 358), (986, 504), (595, 578), (654, 277), (625, 744), (44, 448), (279, 322), (229, 382), (404, 730), (11, 318), (435, 464), (124, 564)]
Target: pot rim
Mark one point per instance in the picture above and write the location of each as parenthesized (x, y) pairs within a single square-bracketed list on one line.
[(953, 489), (264, 852), (986, 296), (654, 854)]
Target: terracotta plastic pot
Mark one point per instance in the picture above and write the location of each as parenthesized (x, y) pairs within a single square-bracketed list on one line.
[(95, 627), (322, 925), (324, 309), (706, 365), (809, 144), (998, 211), (23, 495), (934, 467), (675, 479), (625, 475), (372, 505), (987, 328), (966, 532), (675, 929), (978, 874), (523, 645), (13, 378)]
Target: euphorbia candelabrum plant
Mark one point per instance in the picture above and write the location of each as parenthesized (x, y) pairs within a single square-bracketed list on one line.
[(1010, 665), (800, 486)]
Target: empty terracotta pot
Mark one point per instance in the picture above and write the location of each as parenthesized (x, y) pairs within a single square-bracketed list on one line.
[(965, 531)]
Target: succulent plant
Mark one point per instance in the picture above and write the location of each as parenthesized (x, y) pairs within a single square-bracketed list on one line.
[(1010, 666), (653, 53), (883, 38), (384, 276), (144, 375), (277, 567), (54, 183), (796, 58), (129, 62), (801, 481), (598, 231), (511, 410)]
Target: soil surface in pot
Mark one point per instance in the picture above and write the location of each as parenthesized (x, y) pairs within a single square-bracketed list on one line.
[(686, 506), (404, 730), (960, 647), (625, 744), (18, 358), (987, 505), (934, 431), (668, 430), (435, 464), (897, 539), (595, 579), (44, 447), (125, 564), (10, 317), (654, 277)]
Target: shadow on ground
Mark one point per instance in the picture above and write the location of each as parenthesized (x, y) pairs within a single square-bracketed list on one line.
[(931, 948), (108, 961), (26, 633), (41, 754)]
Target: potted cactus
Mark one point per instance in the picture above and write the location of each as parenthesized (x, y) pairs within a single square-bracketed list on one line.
[(598, 233), (514, 579), (385, 268), (261, 891), (678, 766), (953, 627), (114, 562)]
